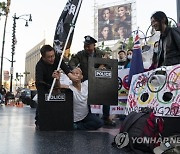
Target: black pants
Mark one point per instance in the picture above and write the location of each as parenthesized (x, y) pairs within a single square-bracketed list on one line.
[(106, 110)]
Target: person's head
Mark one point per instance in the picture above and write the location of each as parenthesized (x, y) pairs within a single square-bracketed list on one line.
[(122, 55), (121, 32), (105, 30), (107, 55), (78, 73), (106, 14), (122, 11), (48, 54), (129, 54), (159, 21), (89, 44)]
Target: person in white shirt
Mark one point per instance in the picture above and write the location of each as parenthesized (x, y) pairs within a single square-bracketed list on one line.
[(83, 118)]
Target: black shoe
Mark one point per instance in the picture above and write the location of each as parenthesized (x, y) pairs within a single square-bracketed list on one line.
[(109, 122), (37, 127)]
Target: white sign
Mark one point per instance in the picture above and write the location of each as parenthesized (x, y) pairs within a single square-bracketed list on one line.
[(158, 89)]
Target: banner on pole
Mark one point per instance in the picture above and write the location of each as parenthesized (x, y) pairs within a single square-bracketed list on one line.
[(66, 21)]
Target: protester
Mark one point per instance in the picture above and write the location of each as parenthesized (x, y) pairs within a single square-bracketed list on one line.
[(81, 59), (169, 42), (121, 59), (44, 71), (83, 119), (2, 94), (168, 54), (129, 57)]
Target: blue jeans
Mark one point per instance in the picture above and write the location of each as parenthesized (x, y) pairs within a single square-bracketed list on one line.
[(90, 122)]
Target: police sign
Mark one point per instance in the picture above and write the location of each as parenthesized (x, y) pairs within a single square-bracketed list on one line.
[(103, 74), (59, 97)]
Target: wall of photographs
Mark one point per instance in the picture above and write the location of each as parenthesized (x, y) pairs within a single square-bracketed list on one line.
[(114, 23)]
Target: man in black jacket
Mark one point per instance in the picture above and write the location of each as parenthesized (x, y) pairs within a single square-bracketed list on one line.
[(168, 54), (45, 68), (169, 43), (81, 59)]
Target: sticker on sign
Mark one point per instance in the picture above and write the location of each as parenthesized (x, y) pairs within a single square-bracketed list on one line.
[(59, 97), (103, 74)]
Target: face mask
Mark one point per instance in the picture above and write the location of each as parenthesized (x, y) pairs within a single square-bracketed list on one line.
[(155, 50), (129, 57)]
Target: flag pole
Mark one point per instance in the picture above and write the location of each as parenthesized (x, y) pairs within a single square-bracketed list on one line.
[(67, 39)]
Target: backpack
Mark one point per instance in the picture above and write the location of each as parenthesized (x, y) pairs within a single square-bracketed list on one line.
[(136, 129)]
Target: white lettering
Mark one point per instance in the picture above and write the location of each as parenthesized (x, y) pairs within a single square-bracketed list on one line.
[(134, 139), (173, 140), (66, 8), (146, 140), (72, 9), (139, 140), (60, 97), (178, 140), (103, 74)]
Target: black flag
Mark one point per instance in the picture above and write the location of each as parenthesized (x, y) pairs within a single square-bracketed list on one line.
[(66, 24), (64, 30)]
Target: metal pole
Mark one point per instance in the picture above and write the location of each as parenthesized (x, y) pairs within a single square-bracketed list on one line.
[(13, 49)]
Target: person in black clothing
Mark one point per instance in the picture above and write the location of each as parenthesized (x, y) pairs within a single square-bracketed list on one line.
[(3, 93), (169, 43), (121, 59), (168, 54), (45, 68)]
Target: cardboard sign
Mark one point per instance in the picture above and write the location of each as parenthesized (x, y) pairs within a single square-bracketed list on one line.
[(158, 89)]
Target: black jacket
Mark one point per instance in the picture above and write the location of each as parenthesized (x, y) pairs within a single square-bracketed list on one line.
[(81, 59), (44, 77), (169, 47)]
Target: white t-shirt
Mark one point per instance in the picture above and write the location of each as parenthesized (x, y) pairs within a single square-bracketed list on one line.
[(81, 109)]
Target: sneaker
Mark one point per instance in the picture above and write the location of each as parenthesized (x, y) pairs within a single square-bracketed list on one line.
[(109, 122)]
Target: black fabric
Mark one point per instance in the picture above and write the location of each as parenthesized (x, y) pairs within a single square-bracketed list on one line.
[(169, 47), (122, 63), (44, 73), (171, 126), (67, 21)]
